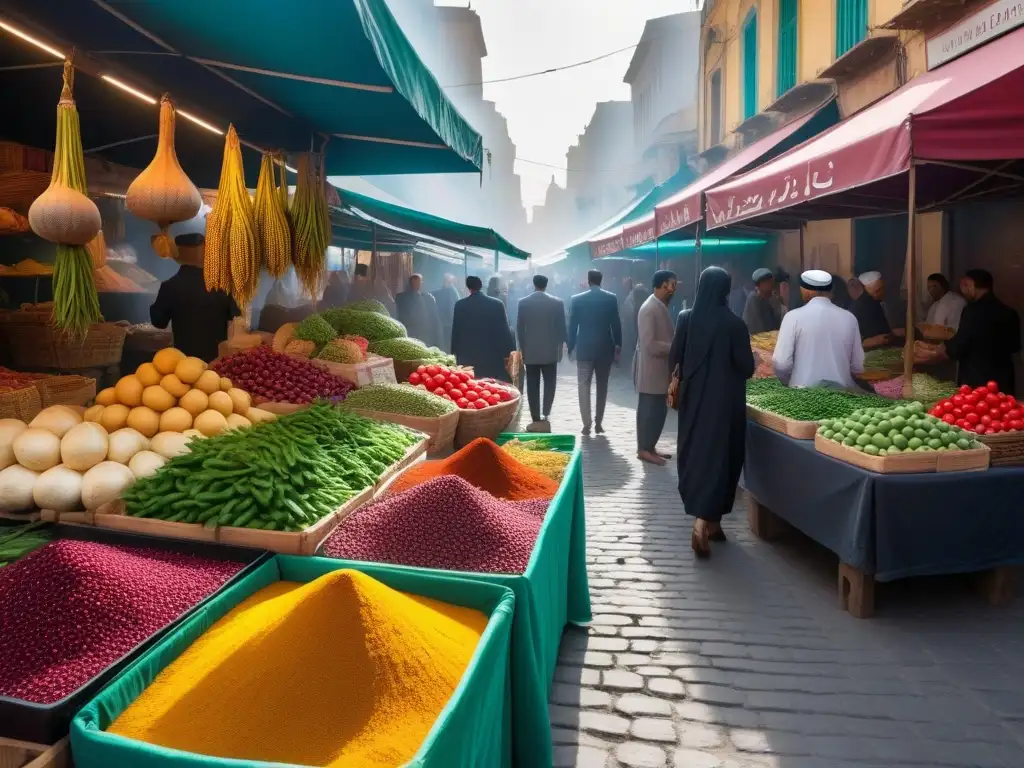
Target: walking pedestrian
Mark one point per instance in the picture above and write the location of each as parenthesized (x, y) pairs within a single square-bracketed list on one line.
[(711, 350), (651, 370), (481, 337), (417, 311), (595, 334), (540, 329), (446, 296)]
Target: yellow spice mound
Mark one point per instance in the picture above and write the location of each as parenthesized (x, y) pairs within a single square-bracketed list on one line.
[(340, 671)]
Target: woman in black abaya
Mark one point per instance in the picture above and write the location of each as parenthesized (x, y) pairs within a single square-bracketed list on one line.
[(712, 349)]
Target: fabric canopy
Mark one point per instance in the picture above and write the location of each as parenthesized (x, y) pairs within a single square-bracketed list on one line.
[(288, 75), (685, 209), (965, 117)]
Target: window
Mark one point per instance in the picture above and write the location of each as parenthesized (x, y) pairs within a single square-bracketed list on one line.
[(715, 107), (750, 64), (787, 43), (851, 24)]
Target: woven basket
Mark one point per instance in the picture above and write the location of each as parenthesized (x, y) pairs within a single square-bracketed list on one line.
[(36, 345), (66, 390), (487, 422), (21, 404), (1007, 448), (441, 429)]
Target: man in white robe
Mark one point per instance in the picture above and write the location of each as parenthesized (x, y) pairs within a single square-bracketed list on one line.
[(818, 343)]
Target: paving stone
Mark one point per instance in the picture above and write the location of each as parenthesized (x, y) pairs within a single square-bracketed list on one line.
[(654, 671), (700, 736), (622, 680), (653, 729), (580, 757), (693, 758), (715, 694), (601, 722), (666, 686), (638, 755), (575, 695), (637, 704), (579, 675)]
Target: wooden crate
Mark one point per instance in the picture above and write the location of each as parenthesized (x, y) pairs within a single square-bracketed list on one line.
[(412, 454), (976, 459), (799, 430), (293, 543), (112, 516), (24, 754), (440, 429), (79, 517)]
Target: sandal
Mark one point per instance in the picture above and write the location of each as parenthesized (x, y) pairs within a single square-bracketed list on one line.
[(699, 539)]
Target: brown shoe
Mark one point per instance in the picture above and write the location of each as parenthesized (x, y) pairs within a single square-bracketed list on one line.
[(699, 539)]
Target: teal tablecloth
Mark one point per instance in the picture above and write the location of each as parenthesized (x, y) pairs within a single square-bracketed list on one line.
[(552, 592), (474, 729)]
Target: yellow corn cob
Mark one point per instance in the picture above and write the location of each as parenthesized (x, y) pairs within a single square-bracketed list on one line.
[(272, 230)]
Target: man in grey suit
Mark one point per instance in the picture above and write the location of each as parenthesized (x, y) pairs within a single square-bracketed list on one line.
[(540, 329), (595, 334)]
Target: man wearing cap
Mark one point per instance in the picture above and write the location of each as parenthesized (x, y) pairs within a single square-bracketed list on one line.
[(198, 318), (761, 314), (819, 343), (866, 305)]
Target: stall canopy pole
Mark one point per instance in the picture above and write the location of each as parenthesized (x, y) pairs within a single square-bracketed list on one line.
[(465, 263), (697, 248), (373, 253), (497, 256), (908, 344)]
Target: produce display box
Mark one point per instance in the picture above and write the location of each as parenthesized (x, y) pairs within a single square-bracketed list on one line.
[(79, 517), (552, 592), (412, 454), (488, 422), (472, 730), (799, 430), (48, 723), (112, 516), (1007, 448), (24, 754), (974, 460), (440, 429), (374, 370)]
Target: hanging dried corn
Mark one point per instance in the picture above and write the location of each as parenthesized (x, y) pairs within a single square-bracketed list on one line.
[(64, 215), (232, 262), (312, 227), (163, 193), (272, 231)]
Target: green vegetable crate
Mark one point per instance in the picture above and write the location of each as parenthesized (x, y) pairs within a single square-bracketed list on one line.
[(440, 430), (799, 430), (973, 460)]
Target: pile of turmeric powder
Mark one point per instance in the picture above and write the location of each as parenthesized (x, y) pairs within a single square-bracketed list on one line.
[(342, 670), (536, 455)]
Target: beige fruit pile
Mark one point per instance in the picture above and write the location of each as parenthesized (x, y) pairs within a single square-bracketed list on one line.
[(174, 393)]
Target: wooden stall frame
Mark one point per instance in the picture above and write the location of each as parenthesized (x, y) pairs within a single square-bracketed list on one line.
[(973, 460), (25, 754)]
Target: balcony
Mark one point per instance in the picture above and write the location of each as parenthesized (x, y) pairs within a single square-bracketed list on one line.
[(865, 55), (932, 14)]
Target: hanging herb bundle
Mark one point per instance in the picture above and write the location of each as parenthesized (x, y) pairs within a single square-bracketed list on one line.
[(272, 229), (63, 214), (163, 193), (232, 258), (312, 226)]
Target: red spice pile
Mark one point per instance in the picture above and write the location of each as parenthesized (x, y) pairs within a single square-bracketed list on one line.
[(72, 608), (487, 467), (443, 523)]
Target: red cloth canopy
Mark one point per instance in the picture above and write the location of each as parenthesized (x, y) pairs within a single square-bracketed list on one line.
[(969, 111)]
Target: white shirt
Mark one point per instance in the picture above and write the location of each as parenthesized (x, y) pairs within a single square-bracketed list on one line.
[(818, 342), (947, 310)]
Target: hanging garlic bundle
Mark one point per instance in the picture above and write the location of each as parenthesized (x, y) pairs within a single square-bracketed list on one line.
[(232, 261), (64, 215), (272, 231), (311, 219), (162, 193)]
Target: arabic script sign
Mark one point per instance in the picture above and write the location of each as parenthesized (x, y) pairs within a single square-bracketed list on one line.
[(974, 31), (639, 233), (678, 214), (793, 187), (602, 248)]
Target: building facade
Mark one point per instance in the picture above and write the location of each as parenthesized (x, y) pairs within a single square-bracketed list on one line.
[(600, 173)]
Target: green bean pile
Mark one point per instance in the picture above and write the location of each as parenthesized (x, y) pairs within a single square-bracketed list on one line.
[(809, 403), (283, 475), (882, 357), (19, 540)]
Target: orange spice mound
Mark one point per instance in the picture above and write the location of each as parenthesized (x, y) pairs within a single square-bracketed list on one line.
[(485, 465)]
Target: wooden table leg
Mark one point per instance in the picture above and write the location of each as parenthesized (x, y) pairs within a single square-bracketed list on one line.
[(764, 523), (997, 585), (856, 591)]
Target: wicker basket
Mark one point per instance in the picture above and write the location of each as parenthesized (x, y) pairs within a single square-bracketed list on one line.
[(66, 390), (487, 422), (36, 345), (1007, 448), (934, 332), (21, 404), (441, 429)]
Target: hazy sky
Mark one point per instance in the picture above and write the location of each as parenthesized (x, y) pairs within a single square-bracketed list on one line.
[(546, 113)]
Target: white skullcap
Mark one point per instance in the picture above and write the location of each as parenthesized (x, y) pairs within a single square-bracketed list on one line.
[(870, 277), (816, 280)]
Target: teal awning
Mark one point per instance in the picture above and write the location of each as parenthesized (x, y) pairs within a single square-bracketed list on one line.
[(290, 75), (356, 209)]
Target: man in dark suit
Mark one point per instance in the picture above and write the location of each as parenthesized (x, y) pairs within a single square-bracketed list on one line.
[(595, 334), (540, 330), (480, 333), (417, 311)]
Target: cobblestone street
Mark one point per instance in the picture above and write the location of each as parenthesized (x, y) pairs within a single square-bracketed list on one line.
[(745, 661)]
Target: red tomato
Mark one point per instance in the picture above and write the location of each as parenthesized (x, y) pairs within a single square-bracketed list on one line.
[(505, 395), (448, 386), (485, 393), (415, 378), (949, 418), (439, 392), (433, 370), (986, 419), (1017, 424), (462, 402), (992, 386), (463, 376), (980, 430), (472, 394), (967, 408), (957, 400), (421, 370), (479, 404), (455, 392), (962, 424), (971, 398), (992, 399), (964, 389), (1014, 413), (995, 426), (1005, 406), (439, 380), (958, 412), (493, 400), (971, 417)]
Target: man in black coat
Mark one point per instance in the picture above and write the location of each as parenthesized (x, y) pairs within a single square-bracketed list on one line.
[(417, 311), (988, 336), (481, 336)]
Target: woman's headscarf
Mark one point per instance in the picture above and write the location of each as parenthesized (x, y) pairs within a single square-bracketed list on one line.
[(709, 315)]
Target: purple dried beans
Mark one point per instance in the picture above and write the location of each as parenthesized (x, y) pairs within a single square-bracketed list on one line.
[(72, 608), (444, 523)]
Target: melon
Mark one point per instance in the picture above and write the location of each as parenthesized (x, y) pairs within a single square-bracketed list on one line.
[(195, 401), (57, 419), (210, 423), (148, 375), (93, 413), (144, 420), (190, 369), (240, 400), (128, 391), (9, 429), (221, 401), (58, 488), (16, 486), (146, 463), (104, 483), (175, 420), (106, 397), (37, 449), (174, 385), (166, 360), (114, 417), (209, 382), (84, 446)]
